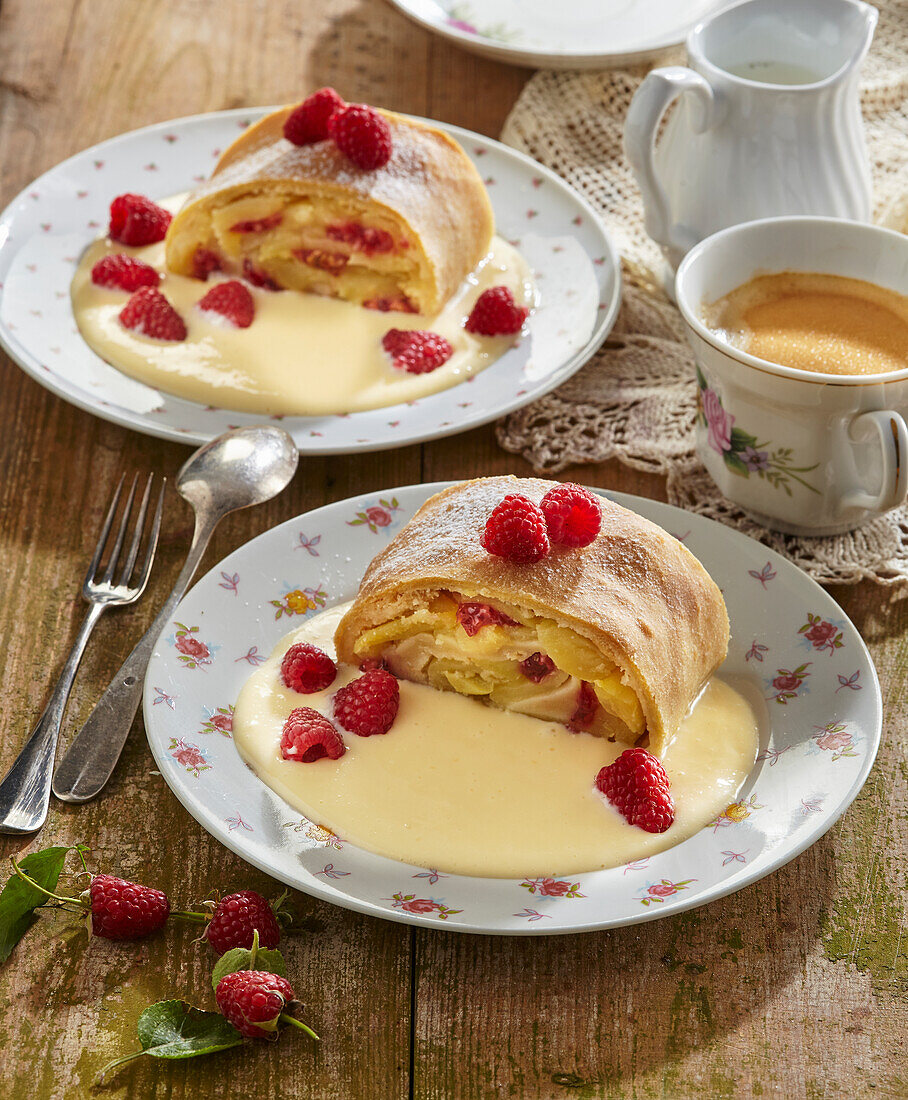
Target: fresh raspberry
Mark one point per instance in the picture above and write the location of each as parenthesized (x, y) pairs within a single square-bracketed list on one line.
[(368, 705), (637, 786), (496, 313), (150, 314), (537, 666), (230, 300), (306, 668), (322, 259), (258, 277), (362, 135), (473, 616), (573, 516), (309, 736), (361, 238), (253, 1000), (235, 919), (258, 225), (136, 220), (399, 304), (121, 272), (416, 351), (516, 531), (585, 710), (122, 910), (204, 261), (308, 122)]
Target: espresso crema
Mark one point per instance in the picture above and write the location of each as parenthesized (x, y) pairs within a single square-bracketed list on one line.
[(828, 324)]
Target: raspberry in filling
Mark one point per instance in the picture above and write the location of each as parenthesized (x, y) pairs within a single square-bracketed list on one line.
[(258, 277), (332, 262), (390, 305), (473, 616), (204, 261), (537, 666), (258, 225), (362, 238), (585, 711)]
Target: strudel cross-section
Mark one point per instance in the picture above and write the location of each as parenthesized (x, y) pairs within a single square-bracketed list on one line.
[(617, 638)]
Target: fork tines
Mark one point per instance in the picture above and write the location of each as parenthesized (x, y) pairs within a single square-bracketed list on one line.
[(93, 583)]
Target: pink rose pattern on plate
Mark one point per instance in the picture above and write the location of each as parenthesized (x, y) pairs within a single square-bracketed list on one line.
[(218, 720), (410, 903), (659, 891), (553, 888), (821, 635), (836, 741), (377, 516), (193, 652)]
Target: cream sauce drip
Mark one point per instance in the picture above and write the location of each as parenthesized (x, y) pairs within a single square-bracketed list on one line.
[(462, 787), (303, 355)]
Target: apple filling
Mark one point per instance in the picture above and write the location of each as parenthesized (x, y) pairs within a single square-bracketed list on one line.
[(511, 658), (322, 247)]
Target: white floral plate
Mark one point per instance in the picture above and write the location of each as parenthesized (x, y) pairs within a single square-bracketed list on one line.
[(585, 34), (790, 640), (45, 229)]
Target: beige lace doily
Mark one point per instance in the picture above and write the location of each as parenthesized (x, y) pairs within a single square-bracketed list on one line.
[(636, 398)]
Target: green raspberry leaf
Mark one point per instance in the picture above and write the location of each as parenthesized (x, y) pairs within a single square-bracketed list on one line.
[(174, 1029), (240, 958), (19, 900)]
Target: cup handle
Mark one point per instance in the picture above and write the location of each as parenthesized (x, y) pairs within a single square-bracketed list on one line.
[(650, 102), (893, 436)]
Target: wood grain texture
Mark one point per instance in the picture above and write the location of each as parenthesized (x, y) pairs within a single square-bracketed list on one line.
[(794, 987)]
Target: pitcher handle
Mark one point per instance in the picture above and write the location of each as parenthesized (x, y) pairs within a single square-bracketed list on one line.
[(649, 104), (893, 436)]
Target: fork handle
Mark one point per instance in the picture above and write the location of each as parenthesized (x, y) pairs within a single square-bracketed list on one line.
[(91, 758), (25, 791)]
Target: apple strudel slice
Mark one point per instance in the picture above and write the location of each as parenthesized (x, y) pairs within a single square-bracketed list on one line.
[(401, 237), (617, 638)]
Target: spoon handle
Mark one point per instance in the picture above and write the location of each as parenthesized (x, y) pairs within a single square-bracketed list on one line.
[(95, 750)]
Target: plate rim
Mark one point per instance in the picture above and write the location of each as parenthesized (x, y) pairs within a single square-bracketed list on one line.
[(746, 877), (559, 59), (604, 323)]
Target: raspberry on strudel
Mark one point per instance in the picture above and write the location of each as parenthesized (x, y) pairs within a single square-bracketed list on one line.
[(400, 237), (616, 638)]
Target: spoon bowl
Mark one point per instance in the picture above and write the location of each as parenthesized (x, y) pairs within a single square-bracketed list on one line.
[(238, 469)]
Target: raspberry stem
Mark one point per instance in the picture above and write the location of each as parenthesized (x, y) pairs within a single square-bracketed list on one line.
[(194, 918), (286, 1018), (36, 886)]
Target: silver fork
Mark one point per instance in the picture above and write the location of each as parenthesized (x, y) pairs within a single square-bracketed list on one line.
[(25, 791)]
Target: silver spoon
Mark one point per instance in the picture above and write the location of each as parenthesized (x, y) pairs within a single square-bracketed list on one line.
[(240, 468)]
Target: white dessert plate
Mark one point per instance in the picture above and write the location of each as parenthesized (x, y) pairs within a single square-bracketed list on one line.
[(45, 229), (790, 641), (585, 34)]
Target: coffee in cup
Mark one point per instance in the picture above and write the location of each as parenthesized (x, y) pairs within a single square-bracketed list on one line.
[(811, 321)]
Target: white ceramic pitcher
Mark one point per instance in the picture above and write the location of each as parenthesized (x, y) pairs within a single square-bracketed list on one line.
[(769, 121)]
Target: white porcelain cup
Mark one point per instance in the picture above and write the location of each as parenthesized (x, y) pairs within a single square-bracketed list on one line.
[(768, 121), (805, 453)]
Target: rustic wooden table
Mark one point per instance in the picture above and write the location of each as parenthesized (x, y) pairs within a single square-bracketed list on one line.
[(794, 987)]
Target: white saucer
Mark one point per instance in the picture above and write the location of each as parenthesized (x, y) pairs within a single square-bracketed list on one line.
[(45, 229), (585, 34), (790, 640)]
